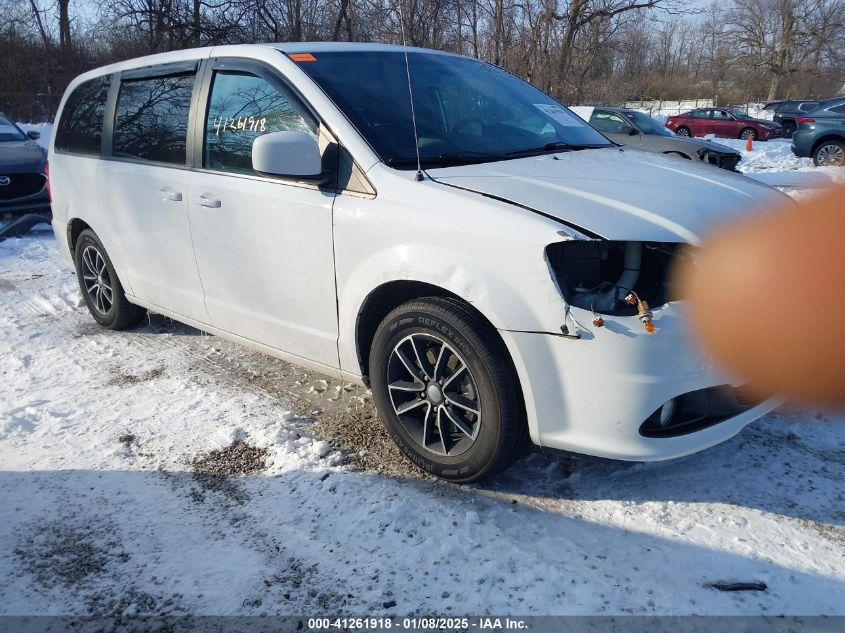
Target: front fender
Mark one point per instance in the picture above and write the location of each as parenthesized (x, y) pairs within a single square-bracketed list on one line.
[(487, 252)]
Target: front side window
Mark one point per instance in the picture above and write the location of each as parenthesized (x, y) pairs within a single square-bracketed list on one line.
[(648, 125), (9, 131), (466, 110), (241, 108), (723, 115), (609, 123), (80, 127), (151, 118), (840, 109)]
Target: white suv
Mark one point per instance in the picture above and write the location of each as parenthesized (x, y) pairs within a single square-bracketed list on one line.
[(492, 267)]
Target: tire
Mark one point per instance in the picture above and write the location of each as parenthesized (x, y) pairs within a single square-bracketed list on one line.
[(100, 286), (829, 153), (789, 129), (444, 342), (683, 131), (748, 131)]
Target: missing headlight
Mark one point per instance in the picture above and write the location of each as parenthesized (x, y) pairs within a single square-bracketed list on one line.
[(597, 274)]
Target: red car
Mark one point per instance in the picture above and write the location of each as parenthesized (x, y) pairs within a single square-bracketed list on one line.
[(723, 123)]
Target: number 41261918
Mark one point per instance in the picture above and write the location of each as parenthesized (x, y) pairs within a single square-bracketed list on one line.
[(240, 124)]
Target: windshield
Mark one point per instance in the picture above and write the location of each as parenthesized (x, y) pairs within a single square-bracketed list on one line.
[(466, 110), (9, 131), (648, 125)]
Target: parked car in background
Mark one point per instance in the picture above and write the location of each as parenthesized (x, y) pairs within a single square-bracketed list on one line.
[(637, 129), (786, 112), (821, 134), (771, 106), (724, 123), (23, 171)]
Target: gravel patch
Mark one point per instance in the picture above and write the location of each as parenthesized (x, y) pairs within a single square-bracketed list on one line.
[(65, 552), (239, 458)]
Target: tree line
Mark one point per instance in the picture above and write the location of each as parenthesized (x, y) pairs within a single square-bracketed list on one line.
[(581, 51)]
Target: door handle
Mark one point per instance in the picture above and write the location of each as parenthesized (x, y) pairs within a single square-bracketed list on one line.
[(175, 196), (210, 202)]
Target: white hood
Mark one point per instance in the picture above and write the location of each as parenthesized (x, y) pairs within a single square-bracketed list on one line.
[(619, 193)]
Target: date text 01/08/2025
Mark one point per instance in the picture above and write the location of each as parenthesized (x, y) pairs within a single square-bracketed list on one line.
[(418, 623)]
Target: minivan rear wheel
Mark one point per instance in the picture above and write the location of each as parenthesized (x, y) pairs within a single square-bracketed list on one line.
[(100, 286), (446, 390)]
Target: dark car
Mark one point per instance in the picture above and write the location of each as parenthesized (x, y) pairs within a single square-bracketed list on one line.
[(637, 129), (724, 123), (23, 172), (786, 112), (821, 134)]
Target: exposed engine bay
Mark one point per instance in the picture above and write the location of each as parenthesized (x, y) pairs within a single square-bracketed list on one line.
[(615, 278)]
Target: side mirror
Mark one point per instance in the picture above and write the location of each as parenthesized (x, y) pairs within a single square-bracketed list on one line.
[(289, 154), (34, 135)]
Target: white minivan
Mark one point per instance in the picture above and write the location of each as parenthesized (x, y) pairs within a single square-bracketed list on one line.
[(492, 267)]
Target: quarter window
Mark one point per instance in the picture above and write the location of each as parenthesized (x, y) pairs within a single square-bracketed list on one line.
[(80, 128), (151, 119), (241, 108)]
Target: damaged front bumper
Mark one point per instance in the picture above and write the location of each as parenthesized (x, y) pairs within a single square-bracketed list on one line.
[(595, 395)]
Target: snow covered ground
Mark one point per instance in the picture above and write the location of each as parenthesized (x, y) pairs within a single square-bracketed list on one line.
[(165, 471)]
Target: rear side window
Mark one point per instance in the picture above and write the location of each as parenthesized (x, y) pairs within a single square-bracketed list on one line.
[(80, 128), (241, 108), (151, 119), (806, 107)]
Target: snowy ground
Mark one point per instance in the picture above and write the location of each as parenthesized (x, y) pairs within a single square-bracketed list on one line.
[(165, 471)]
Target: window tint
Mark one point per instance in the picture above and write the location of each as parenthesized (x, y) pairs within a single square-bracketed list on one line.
[(151, 119), (721, 114), (241, 108), (80, 127), (466, 110), (700, 114), (810, 105), (840, 109), (9, 131), (609, 123)]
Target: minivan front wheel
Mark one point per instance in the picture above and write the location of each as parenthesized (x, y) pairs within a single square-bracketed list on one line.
[(446, 390), (100, 286)]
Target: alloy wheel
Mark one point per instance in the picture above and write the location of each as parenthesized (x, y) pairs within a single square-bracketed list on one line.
[(682, 132), (434, 394), (98, 284), (831, 155)]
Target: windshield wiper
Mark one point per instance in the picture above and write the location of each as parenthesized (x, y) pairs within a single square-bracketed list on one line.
[(448, 158), (557, 146), (470, 156)]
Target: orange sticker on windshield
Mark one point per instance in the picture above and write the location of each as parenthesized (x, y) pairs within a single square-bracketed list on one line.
[(302, 57)]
